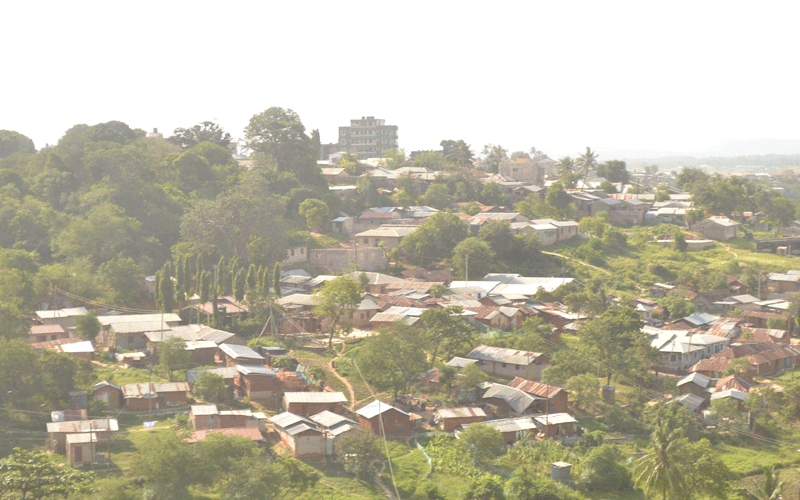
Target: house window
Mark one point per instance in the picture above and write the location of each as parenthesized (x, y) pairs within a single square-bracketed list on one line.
[(516, 367), (504, 365)]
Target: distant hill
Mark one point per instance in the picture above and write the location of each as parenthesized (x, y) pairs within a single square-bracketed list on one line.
[(769, 155)]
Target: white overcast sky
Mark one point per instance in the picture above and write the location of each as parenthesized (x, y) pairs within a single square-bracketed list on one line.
[(557, 75)]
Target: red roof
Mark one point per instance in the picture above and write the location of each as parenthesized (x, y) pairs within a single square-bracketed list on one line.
[(535, 388), (47, 329)]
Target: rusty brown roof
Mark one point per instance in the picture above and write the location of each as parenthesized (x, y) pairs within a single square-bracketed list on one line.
[(535, 388)]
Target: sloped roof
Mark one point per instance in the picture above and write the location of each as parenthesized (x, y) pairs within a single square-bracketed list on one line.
[(376, 408), (518, 400), (538, 389), (695, 378), (463, 412), (330, 419), (555, 419), (255, 370), (733, 382), (240, 352), (62, 313), (315, 397), (209, 409), (510, 424), (226, 372), (47, 329), (689, 400), (96, 425), (503, 355), (460, 362)]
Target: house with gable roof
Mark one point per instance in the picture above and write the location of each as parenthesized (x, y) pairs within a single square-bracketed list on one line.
[(510, 363), (395, 421), (717, 228)]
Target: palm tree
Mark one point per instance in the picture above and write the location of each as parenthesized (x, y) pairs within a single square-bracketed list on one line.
[(658, 472), (587, 161), (771, 489), (565, 166)]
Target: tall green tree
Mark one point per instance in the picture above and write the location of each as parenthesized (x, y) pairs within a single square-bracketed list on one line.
[(172, 355), (32, 474), (658, 472), (276, 279), (435, 239), (166, 289), (446, 329), (316, 213), (473, 258), (12, 142), (616, 339), (493, 155), (394, 358), (336, 301), (167, 467), (457, 152), (483, 441), (208, 131), (280, 136), (587, 162), (87, 326)]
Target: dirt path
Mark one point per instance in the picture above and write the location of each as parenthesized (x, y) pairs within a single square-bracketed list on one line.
[(579, 262), (728, 248), (350, 390), (389, 493)]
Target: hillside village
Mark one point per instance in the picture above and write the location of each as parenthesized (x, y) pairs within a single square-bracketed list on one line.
[(534, 326)]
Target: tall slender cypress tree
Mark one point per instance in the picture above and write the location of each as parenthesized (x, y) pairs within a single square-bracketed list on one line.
[(276, 279)]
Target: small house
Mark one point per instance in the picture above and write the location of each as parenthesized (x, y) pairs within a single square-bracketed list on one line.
[(555, 397), (300, 434), (556, 425), (450, 418), (378, 415), (509, 363), (155, 395), (108, 392), (102, 428), (309, 403), (232, 354), (256, 382), (335, 426)]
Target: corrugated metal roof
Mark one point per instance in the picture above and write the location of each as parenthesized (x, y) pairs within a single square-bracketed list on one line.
[(138, 318), (538, 389), (255, 370), (97, 425), (696, 378), (315, 397), (47, 329), (510, 424), (503, 355), (460, 362), (214, 335), (463, 412), (198, 410), (555, 419), (518, 400), (240, 352), (77, 347), (330, 419), (376, 408), (62, 313)]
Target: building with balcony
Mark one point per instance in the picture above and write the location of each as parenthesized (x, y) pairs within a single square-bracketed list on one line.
[(368, 137)]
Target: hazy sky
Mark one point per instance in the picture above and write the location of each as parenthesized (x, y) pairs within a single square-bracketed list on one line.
[(560, 76)]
